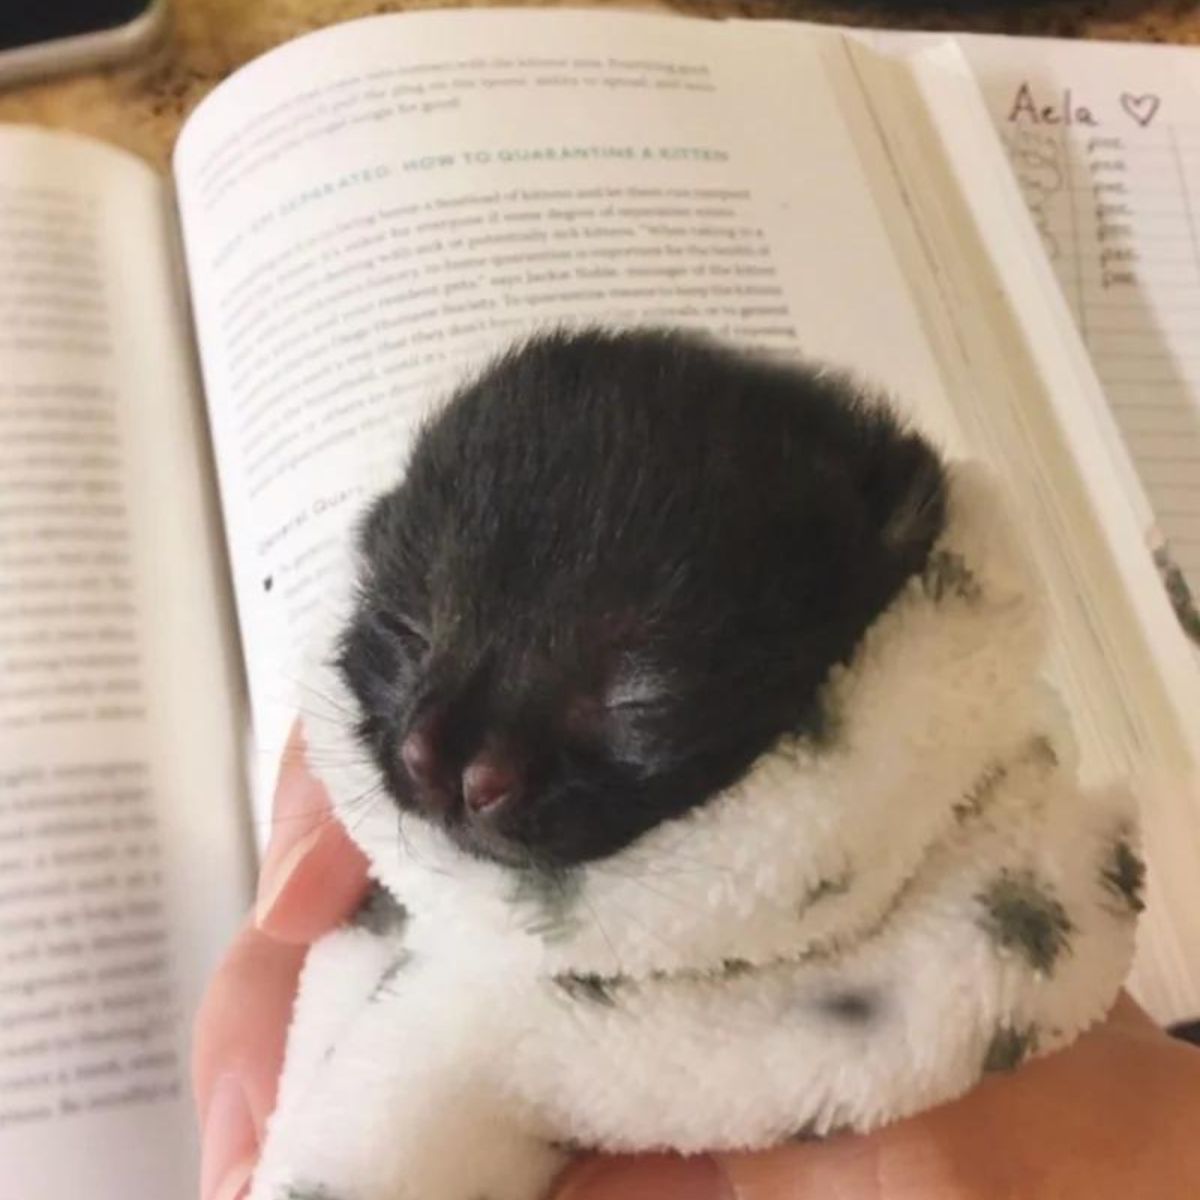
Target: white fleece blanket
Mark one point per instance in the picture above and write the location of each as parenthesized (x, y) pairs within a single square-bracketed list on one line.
[(849, 935)]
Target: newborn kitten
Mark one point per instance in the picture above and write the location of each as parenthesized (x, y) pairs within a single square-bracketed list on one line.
[(654, 870), (617, 571)]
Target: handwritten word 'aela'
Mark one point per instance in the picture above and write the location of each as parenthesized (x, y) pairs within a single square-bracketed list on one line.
[(1066, 110)]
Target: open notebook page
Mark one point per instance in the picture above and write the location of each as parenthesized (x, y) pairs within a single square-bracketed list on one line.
[(370, 208), (1106, 151), (1025, 383), (121, 868), (1104, 140)]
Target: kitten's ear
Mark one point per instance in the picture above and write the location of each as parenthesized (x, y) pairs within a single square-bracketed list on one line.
[(385, 541), (906, 489), (373, 528)]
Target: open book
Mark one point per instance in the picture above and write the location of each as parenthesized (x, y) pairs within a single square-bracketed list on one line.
[(365, 213)]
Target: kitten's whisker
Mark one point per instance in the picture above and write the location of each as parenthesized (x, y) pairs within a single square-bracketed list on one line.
[(371, 798), (371, 793), (679, 901), (315, 819), (700, 865), (666, 869), (631, 916), (603, 932), (322, 759), (322, 816), (338, 706)]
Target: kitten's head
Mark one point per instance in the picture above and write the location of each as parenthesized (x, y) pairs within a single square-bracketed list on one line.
[(618, 570)]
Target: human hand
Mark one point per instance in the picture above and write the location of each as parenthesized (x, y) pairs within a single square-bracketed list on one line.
[(1112, 1116), (312, 877)]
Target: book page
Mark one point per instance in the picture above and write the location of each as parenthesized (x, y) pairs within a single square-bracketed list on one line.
[(1105, 144), (1100, 138), (370, 209), (1033, 404), (122, 856)]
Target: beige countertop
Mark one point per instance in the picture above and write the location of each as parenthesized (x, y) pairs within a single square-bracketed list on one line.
[(141, 106)]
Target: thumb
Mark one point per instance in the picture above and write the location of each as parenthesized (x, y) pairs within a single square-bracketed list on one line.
[(838, 1168), (644, 1177), (844, 1167), (313, 875)]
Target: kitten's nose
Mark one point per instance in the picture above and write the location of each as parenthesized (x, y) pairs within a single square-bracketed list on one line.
[(419, 756), (489, 784)]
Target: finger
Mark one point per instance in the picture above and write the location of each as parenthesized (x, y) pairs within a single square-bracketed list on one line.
[(1071, 1121), (839, 1169), (1130, 1018), (646, 1177), (238, 1052), (312, 875), (848, 1167)]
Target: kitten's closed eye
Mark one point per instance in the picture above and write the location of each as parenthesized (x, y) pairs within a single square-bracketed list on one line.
[(405, 630), (637, 687), (653, 550)]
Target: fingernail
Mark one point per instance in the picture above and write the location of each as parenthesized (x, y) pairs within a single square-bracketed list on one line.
[(652, 1177), (277, 869), (230, 1145)]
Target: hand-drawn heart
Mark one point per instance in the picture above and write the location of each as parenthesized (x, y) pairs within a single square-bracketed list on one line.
[(1140, 108)]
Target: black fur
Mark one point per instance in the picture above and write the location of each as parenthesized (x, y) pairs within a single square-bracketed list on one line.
[(619, 568)]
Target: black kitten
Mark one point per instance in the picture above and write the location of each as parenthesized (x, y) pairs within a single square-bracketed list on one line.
[(618, 569)]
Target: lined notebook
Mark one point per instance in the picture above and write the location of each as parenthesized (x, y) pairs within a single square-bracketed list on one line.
[(1105, 141)]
